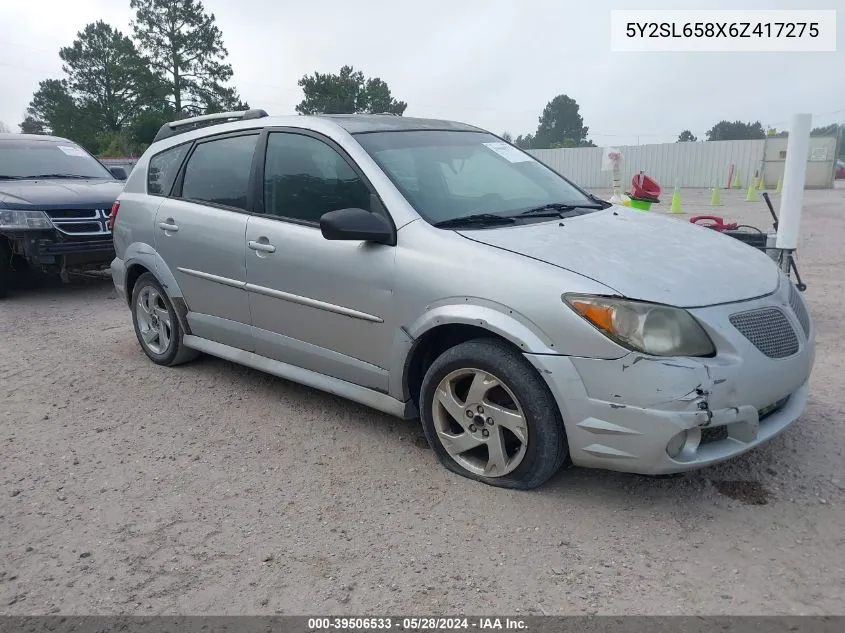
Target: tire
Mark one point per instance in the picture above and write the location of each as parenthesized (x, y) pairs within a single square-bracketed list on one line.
[(5, 268), (515, 405), (157, 327)]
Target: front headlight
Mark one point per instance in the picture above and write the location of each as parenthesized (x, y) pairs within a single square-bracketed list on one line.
[(16, 219), (644, 327)]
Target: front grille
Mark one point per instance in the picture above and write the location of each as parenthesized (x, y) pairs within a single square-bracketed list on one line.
[(80, 221), (769, 330), (796, 302)]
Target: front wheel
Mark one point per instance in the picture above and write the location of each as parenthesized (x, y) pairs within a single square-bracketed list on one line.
[(156, 325), (5, 267), (488, 416)]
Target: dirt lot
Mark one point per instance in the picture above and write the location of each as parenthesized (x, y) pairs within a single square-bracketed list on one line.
[(130, 488)]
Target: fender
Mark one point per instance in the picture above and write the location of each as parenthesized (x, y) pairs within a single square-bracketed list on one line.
[(146, 256), (142, 254), (494, 317)]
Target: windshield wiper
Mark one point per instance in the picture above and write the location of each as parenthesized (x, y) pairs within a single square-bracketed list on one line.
[(556, 209), (2, 177), (476, 218), (74, 176)]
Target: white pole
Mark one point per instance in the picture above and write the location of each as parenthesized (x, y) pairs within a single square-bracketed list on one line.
[(795, 170)]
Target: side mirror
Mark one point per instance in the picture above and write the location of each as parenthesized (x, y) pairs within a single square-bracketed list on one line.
[(357, 224), (118, 172)]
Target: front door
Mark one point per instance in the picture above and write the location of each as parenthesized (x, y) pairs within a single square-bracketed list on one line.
[(317, 304), (200, 235)]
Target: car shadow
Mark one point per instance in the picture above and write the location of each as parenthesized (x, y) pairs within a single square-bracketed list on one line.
[(27, 284), (744, 479), (753, 479)]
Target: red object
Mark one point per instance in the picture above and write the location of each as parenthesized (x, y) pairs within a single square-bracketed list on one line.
[(644, 188), (113, 215), (713, 222), (840, 170)]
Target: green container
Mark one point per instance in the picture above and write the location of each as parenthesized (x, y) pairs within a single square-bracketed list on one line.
[(642, 205)]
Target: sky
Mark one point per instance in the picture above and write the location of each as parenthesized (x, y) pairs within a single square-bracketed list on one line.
[(491, 63)]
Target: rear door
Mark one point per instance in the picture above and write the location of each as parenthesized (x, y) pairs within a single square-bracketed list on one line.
[(200, 232)]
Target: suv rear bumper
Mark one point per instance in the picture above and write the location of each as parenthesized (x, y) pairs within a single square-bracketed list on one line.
[(118, 275)]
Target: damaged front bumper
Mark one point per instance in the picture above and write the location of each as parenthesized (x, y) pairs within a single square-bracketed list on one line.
[(48, 249), (652, 415)]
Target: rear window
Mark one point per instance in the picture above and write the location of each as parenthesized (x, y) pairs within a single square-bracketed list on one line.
[(218, 171), (163, 169), (25, 158)]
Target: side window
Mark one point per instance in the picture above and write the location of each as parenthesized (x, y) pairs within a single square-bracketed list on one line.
[(305, 178), (163, 168), (218, 171)]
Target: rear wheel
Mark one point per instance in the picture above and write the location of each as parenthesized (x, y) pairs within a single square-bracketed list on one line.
[(5, 267), (488, 416), (156, 325)]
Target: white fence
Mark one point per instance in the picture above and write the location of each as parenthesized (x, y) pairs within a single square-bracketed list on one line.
[(699, 164)]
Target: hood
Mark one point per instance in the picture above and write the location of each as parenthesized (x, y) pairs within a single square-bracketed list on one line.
[(46, 194), (644, 256)]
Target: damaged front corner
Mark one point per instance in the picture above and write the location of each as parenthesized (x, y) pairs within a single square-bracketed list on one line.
[(636, 380)]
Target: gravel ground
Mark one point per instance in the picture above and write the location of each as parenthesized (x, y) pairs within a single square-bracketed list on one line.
[(210, 488)]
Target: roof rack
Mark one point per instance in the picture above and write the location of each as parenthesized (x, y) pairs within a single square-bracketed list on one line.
[(195, 122), (352, 114)]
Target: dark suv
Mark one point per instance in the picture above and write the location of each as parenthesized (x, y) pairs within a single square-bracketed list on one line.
[(55, 200)]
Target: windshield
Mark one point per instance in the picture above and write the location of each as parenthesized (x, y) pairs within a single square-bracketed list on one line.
[(24, 159), (447, 175)]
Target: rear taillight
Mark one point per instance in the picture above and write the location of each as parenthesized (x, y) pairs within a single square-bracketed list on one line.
[(113, 215)]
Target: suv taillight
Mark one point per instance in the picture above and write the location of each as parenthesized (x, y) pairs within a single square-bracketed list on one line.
[(113, 215)]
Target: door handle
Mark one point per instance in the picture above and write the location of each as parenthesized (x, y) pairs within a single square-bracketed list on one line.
[(264, 247), (168, 226)]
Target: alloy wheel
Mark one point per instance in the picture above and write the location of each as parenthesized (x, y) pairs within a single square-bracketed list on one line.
[(154, 323), (479, 422)]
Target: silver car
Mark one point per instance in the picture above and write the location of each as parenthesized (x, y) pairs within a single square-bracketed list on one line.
[(430, 270)]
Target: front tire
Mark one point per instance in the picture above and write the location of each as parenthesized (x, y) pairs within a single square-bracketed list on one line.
[(156, 325), (488, 416), (5, 267)]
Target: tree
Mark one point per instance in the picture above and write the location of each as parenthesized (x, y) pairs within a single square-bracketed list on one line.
[(566, 143), (506, 136), (835, 130), (347, 92), (55, 111), (686, 137), (31, 126), (561, 124), (828, 130), (185, 50), (525, 141), (146, 126), (735, 131), (107, 76), (4, 129)]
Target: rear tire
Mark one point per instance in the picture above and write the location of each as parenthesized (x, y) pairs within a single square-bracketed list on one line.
[(157, 327), (489, 416), (5, 268)]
